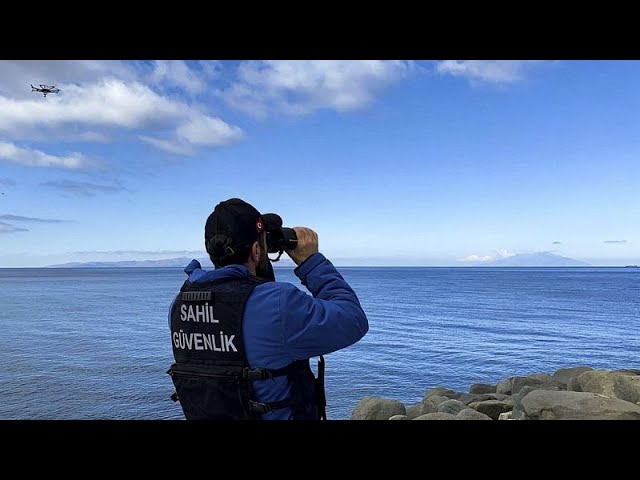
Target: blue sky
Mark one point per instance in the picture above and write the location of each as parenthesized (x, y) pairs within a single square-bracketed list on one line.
[(391, 162)]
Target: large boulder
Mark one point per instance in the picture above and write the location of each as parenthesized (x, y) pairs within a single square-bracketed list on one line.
[(414, 411), (443, 392), (471, 414), (482, 388), (467, 398), (518, 412), (491, 408), (574, 385), (498, 396), (564, 375), (430, 404), (451, 406), (512, 385), (505, 386), (377, 408), (436, 416), (565, 405), (538, 380), (622, 385)]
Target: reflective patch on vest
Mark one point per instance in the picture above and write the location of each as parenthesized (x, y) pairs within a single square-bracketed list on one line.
[(197, 313), (204, 341), (195, 296)]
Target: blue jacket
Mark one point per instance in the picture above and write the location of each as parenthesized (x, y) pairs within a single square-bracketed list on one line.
[(283, 323)]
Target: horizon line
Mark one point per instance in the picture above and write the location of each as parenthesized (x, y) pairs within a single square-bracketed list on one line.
[(339, 266)]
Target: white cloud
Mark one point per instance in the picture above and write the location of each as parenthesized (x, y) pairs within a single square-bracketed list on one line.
[(114, 104), (35, 158), (476, 258), (83, 189), (169, 146), (110, 103), (18, 74), (302, 86), (500, 253), (177, 73), (211, 68), (204, 130), (8, 228), (20, 218), (489, 71)]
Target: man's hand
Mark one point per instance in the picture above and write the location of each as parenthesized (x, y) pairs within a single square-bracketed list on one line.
[(307, 245)]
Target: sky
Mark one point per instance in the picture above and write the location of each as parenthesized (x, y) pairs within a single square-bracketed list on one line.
[(408, 163)]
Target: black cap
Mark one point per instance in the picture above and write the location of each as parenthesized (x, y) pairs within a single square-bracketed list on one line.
[(235, 219)]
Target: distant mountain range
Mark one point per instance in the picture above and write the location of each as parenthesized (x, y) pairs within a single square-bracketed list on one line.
[(538, 259), (168, 262)]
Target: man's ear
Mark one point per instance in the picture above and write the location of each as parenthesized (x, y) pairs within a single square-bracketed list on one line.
[(255, 251)]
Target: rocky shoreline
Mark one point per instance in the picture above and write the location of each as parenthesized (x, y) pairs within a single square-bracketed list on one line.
[(577, 393)]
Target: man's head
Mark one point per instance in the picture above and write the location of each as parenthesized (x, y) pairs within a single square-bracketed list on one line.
[(234, 233)]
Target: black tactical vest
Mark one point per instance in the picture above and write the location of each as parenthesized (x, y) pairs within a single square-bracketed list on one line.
[(211, 374)]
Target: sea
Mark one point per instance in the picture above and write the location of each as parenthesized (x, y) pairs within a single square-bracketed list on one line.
[(93, 343)]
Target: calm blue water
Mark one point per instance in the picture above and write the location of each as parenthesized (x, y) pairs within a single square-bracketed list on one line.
[(94, 343)]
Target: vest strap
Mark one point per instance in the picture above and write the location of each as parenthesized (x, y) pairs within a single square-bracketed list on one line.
[(258, 407), (263, 373), (322, 398)]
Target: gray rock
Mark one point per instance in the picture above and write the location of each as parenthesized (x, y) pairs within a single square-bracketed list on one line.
[(564, 375), (513, 385), (498, 396), (441, 391), (430, 404), (629, 371), (436, 416), (468, 398), (414, 411), (564, 405), (482, 388), (574, 385), (471, 414), (399, 417), (536, 380), (518, 412), (377, 408), (491, 408), (611, 384), (506, 416), (505, 386), (451, 406)]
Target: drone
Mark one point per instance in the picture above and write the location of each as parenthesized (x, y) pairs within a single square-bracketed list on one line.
[(44, 89)]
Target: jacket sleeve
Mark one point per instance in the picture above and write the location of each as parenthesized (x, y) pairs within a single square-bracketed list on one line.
[(329, 320)]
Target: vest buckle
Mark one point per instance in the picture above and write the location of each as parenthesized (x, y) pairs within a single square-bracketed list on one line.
[(257, 407)]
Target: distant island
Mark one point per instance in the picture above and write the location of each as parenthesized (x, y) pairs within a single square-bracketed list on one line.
[(168, 262), (537, 259), (180, 262)]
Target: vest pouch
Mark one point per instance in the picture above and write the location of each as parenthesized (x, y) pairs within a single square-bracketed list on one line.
[(210, 393)]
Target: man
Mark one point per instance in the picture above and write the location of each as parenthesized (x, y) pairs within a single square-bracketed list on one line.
[(242, 341)]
